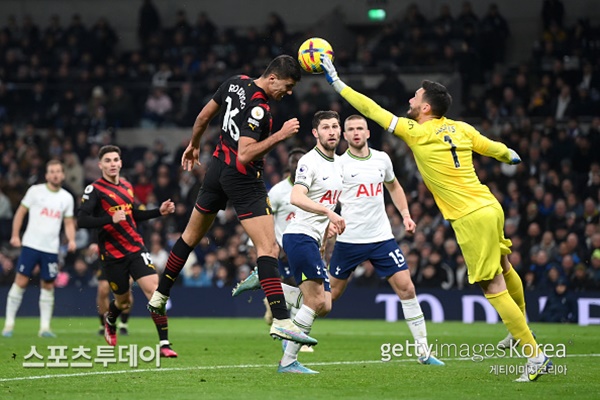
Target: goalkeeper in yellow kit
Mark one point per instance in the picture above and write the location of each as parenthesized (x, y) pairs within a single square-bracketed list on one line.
[(443, 150)]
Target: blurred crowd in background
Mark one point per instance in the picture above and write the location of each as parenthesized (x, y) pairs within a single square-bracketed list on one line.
[(66, 88)]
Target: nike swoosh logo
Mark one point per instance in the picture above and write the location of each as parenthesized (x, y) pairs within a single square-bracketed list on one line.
[(353, 175), (325, 178)]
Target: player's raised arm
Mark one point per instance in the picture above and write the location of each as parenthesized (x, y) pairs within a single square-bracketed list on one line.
[(191, 154), (362, 103), (491, 148), (250, 149)]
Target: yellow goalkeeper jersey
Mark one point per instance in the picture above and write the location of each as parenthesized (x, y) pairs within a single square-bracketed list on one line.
[(443, 149)]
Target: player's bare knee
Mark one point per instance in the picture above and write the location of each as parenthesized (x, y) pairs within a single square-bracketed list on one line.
[(407, 292), (322, 307), (123, 306), (271, 250), (190, 237)]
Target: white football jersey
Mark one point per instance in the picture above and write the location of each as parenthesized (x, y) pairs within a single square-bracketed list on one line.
[(323, 178), (47, 209), (283, 211), (362, 202)]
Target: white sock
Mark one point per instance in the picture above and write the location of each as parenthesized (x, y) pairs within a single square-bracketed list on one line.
[(416, 322), (164, 343), (46, 306), (539, 358), (304, 320), (292, 294), (293, 308), (293, 312), (13, 302)]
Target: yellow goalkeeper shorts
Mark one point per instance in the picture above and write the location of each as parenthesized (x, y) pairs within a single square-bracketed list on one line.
[(480, 236)]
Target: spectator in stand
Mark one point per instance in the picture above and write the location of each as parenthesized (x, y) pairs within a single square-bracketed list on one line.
[(581, 281), (595, 269), (540, 265), (494, 33), (148, 21), (553, 11), (198, 277), (561, 305), (6, 216), (120, 112), (81, 276), (591, 214), (7, 270), (74, 175), (563, 106), (142, 188), (158, 107), (550, 279)]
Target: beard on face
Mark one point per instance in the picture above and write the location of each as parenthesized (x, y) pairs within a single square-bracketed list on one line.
[(327, 146), (413, 113)]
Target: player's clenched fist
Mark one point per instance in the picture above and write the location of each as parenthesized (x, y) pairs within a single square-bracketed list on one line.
[(290, 127), (119, 216), (167, 207)]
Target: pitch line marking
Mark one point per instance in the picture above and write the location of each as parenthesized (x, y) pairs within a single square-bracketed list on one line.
[(241, 366)]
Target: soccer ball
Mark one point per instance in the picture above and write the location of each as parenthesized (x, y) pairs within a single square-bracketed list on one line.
[(309, 54)]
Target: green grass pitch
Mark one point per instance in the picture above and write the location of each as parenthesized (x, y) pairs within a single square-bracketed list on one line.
[(236, 359)]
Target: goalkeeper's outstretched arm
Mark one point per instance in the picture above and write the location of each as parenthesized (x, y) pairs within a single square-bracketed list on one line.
[(362, 103)]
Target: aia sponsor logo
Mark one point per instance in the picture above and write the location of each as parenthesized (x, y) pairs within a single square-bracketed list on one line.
[(50, 213), (331, 197), (370, 190)]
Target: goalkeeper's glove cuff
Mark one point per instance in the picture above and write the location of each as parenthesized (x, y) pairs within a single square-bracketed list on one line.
[(338, 85), (514, 157)]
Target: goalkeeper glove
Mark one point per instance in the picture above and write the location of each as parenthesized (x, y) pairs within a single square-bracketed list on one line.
[(514, 157), (331, 74)]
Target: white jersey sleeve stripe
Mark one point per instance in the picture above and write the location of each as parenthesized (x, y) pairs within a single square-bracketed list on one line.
[(393, 124)]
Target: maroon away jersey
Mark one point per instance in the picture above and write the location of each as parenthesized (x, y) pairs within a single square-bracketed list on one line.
[(245, 111)]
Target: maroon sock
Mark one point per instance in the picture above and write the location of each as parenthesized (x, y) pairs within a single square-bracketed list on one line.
[(177, 258), (270, 281)]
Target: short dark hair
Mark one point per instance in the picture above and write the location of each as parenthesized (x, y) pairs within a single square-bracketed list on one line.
[(109, 148), (437, 96), (296, 150), (284, 67), (321, 115)]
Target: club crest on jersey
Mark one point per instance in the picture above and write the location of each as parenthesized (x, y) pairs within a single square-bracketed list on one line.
[(257, 113)]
